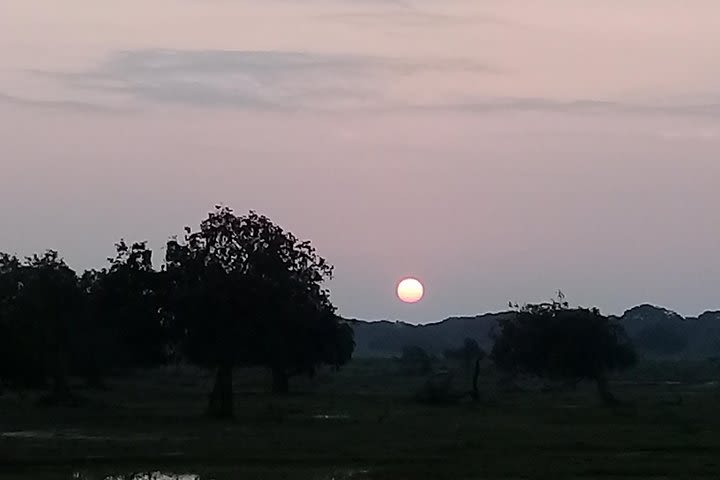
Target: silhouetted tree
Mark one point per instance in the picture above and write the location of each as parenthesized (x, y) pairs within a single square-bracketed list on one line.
[(470, 355), (294, 320), (554, 341), (21, 358), (242, 291), (467, 354), (122, 325), (92, 344), (209, 298), (47, 303)]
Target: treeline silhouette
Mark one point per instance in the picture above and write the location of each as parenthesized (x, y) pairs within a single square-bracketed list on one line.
[(238, 291), (548, 340)]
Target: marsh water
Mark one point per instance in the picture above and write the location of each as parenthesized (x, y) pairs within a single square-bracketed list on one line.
[(193, 473), (237, 474)]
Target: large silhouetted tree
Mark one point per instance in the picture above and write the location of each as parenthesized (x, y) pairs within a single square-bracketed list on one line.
[(295, 323), (242, 291), (209, 298), (553, 340)]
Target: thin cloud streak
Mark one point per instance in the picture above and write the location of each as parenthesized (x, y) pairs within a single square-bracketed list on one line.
[(303, 81), (581, 106), (73, 105), (411, 18), (266, 80)]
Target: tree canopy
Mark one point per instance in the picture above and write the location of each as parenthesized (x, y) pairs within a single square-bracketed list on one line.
[(242, 291), (123, 318), (238, 291), (41, 301), (555, 341)]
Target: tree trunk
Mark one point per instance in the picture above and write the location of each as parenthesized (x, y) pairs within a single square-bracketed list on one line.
[(476, 377), (604, 390), (220, 404), (93, 378), (280, 381), (95, 381), (61, 390), (60, 393)]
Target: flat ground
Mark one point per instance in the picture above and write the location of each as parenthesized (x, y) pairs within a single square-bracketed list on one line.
[(364, 423)]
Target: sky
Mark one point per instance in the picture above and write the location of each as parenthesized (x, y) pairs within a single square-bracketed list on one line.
[(498, 150)]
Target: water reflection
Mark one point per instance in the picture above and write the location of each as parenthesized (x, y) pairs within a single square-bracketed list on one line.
[(337, 416), (263, 474), (140, 476)]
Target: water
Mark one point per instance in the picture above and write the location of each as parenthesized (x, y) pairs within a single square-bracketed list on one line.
[(220, 474), (138, 476), (331, 416)]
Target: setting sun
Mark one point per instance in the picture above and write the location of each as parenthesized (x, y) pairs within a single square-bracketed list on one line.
[(410, 290)]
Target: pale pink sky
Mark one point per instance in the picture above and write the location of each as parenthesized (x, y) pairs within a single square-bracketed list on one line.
[(498, 150)]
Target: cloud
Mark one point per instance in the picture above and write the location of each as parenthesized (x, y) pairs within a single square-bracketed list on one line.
[(79, 106), (256, 79), (578, 106), (290, 81), (411, 18)]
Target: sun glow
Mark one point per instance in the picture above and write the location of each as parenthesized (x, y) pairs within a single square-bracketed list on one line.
[(410, 290)]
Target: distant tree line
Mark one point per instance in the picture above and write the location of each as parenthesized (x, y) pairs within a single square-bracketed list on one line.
[(238, 291), (548, 340)]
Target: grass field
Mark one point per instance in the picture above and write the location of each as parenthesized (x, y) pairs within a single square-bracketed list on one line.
[(363, 422)]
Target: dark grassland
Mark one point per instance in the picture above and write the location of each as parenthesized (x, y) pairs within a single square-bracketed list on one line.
[(363, 422)]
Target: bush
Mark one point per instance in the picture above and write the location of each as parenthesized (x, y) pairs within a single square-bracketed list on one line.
[(437, 389)]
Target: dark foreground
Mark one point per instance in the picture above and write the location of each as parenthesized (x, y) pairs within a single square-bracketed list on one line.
[(363, 424)]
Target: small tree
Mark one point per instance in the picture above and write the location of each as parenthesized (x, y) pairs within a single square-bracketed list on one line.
[(467, 354), (470, 354), (553, 340)]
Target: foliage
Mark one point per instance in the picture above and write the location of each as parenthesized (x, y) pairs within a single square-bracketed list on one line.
[(555, 341), (242, 291), (122, 325), (41, 302), (294, 318), (128, 299), (21, 361), (662, 339)]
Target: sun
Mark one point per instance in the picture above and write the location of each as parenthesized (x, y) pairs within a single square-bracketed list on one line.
[(410, 290)]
